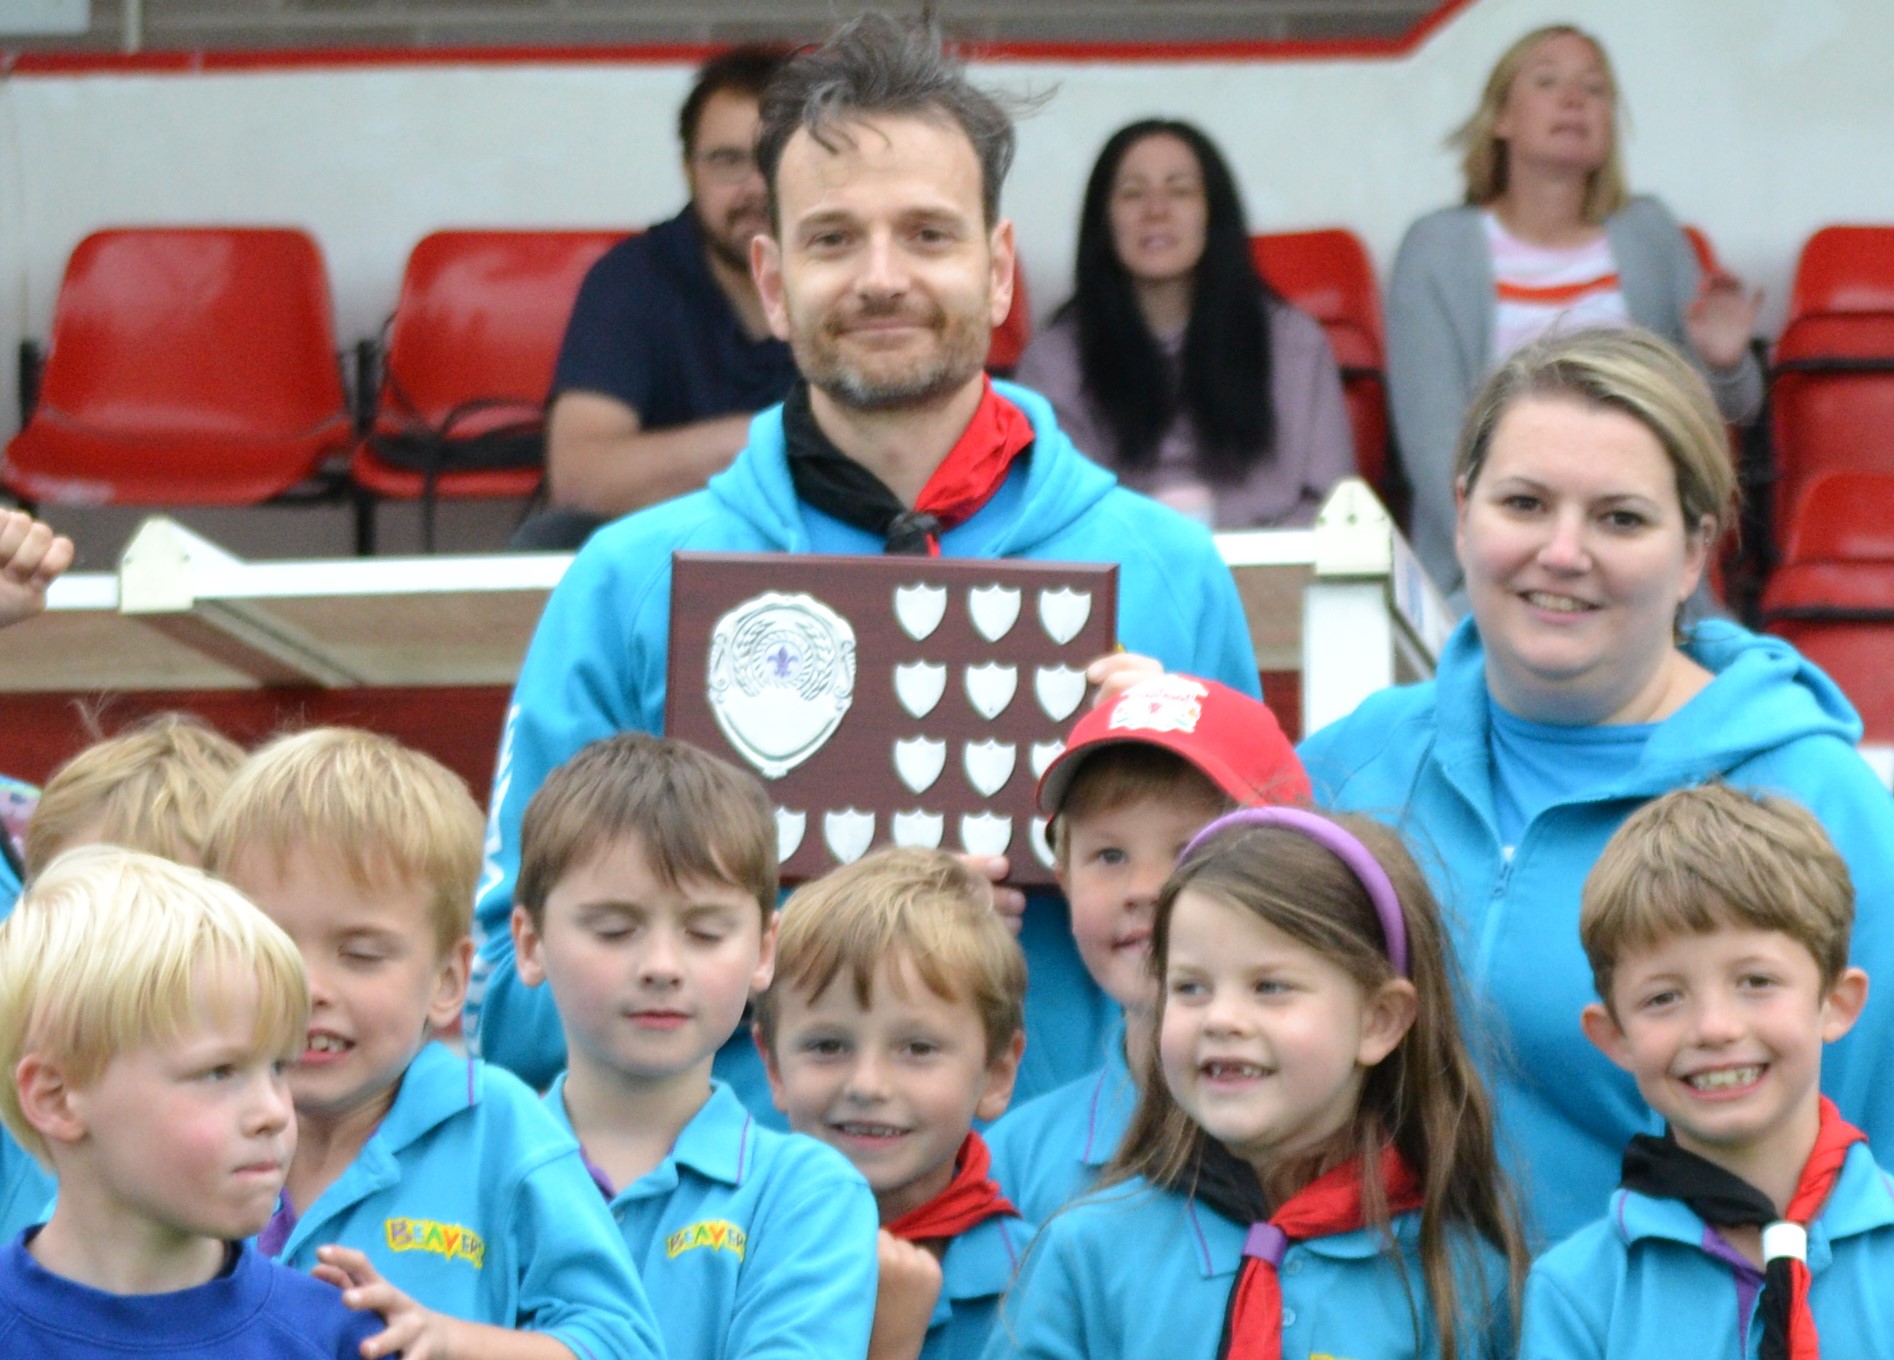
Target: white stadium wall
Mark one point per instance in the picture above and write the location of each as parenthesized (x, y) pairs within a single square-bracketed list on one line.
[(1760, 120)]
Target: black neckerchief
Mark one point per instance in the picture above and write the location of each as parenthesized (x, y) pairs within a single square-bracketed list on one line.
[(838, 486)]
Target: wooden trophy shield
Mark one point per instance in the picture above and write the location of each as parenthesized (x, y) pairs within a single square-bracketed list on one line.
[(888, 700)]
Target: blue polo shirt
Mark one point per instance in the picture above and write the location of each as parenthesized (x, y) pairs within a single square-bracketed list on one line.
[(1133, 1272), (1651, 1279), (471, 1199), (976, 1270), (1052, 1148), (652, 328), (750, 1242)]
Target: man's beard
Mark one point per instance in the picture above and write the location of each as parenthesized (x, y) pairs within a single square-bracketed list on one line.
[(889, 382), (729, 242)]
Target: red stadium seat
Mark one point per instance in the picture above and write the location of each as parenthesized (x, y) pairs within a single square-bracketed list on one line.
[(469, 360), (187, 366), (1845, 269), (1833, 388), (1328, 275), (1012, 334), (1700, 247), (1833, 596)]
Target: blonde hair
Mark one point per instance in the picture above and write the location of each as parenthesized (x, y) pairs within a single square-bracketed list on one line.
[(1483, 159), (152, 787), (692, 815), (112, 949), (924, 907), (1713, 858), (1626, 370), (387, 814)]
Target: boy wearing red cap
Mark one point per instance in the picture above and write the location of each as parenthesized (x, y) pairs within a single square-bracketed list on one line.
[(1140, 775)]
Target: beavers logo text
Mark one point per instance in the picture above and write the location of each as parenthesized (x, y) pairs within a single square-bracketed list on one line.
[(443, 1239), (716, 1233)]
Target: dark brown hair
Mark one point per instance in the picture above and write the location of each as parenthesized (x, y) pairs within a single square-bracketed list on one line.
[(742, 70), (1425, 1098)]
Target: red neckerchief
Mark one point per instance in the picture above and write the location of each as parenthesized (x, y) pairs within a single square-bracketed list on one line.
[(1659, 1167), (1327, 1205), (971, 1197), (1832, 1141), (976, 465)]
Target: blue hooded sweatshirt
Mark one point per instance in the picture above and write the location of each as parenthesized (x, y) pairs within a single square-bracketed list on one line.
[(597, 667), (1419, 758)]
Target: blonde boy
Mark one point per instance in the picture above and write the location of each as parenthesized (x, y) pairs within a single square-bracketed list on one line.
[(151, 787), (894, 1022), (1140, 775), (147, 1015), (434, 1188), (646, 901), (1717, 923)]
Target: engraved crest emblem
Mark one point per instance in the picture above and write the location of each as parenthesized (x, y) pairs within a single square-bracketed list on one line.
[(989, 765), (1063, 612), (990, 688), (791, 826), (918, 829), (1059, 689), (1043, 753), (781, 677), (848, 833), (919, 761), (994, 610), (1164, 703), (1041, 842), (985, 833), (919, 685), (919, 609)]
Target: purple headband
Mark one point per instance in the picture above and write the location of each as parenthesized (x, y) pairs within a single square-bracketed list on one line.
[(1331, 837)]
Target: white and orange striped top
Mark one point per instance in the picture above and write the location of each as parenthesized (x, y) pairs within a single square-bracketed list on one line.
[(1537, 288)]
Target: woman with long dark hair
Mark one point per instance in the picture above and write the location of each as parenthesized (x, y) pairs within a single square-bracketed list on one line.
[(1174, 364)]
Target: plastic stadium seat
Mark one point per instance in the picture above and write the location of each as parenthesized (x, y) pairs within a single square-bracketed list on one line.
[(469, 360), (1700, 247), (1012, 334), (1328, 274), (1833, 388), (1844, 269), (1833, 596), (187, 366)]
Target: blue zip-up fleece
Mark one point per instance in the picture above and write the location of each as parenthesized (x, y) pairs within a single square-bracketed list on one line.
[(1652, 1281), (597, 666), (1418, 757)]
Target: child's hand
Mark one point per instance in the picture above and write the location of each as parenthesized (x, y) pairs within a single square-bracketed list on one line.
[(31, 557), (1010, 903), (904, 1299), (413, 1332), (1116, 672)]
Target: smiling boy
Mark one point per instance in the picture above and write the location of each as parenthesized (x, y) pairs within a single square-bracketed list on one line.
[(893, 1024), (434, 1188), (147, 1016), (1717, 926), (647, 898)]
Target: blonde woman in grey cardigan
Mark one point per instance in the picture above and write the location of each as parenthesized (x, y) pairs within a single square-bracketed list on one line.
[(1548, 237)]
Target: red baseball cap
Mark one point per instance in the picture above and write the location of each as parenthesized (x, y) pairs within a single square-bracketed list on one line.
[(1233, 739)]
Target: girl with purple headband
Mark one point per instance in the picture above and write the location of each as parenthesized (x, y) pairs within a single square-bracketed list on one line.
[(1311, 1169)]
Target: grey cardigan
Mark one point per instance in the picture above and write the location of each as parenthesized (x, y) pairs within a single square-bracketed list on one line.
[(1440, 344)]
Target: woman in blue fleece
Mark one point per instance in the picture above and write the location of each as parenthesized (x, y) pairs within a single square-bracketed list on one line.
[(1592, 484)]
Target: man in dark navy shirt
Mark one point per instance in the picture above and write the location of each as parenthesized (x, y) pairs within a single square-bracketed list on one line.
[(668, 352)]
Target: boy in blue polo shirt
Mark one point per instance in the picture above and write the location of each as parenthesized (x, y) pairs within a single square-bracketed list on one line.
[(645, 899), (1140, 775), (1717, 926), (894, 1022), (435, 1189), (147, 1015)]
